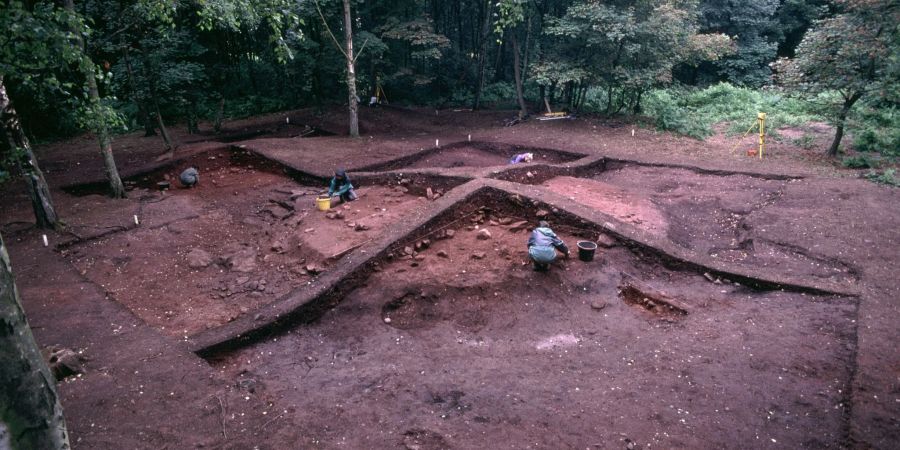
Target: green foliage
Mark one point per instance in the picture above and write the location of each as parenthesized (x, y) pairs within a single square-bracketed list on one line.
[(877, 130), (855, 54), (888, 177), (860, 162), (807, 141), (749, 23), (693, 112)]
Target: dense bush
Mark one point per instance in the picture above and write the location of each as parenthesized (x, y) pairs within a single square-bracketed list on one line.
[(877, 130), (693, 112)]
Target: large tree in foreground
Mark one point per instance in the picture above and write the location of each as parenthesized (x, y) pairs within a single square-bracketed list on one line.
[(30, 413), (35, 43), (854, 54), (17, 143)]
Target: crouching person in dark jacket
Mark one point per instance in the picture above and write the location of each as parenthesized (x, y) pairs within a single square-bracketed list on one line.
[(340, 186), (542, 246)]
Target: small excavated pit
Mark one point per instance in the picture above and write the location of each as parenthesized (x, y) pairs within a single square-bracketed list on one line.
[(459, 341), (472, 154)]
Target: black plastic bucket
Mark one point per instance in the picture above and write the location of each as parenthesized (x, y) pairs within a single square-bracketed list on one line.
[(586, 250)]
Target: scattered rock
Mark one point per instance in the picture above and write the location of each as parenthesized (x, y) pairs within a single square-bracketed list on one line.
[(598, 304), (529, 174), (361, 227), (408, 250), (242, 280), (277, 211), (484, 234), (442, 254), (419, 257), (313, 269), (429, 194), (198, 259), (709, 277), (241, 260), (405, 182), (606, 241), (479, 255), (351, 224), (279, 245), (387, 320), (448, 233), (426, 243), (64, 362), (330, 215), (504, 221), (520, 225), (542, 213), (339, 214)]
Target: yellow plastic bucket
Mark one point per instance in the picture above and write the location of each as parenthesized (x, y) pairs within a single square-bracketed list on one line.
[(323, 203)]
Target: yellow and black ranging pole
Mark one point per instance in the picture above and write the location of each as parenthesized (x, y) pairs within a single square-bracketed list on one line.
[(761, 125), (761, 121)]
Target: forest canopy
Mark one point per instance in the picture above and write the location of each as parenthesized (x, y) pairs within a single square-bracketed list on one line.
[(159, 62)]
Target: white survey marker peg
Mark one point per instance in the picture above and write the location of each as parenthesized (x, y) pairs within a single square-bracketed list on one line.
[(136, 221), (437, 142), (46, 243), (632, 132), (470, 138)]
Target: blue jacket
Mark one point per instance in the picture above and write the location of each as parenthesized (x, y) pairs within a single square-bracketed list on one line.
[(545, 237)]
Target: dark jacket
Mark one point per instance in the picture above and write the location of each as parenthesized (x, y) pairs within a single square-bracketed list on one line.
[(340, 186)]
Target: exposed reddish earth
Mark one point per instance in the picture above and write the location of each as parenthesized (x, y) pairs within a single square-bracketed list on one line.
[(632, 350)]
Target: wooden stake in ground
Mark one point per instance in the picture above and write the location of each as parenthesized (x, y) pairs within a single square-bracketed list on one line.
[(30, 413)]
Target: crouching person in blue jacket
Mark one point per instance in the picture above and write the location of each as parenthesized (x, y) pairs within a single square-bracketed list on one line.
[(340, 186), (542, 246)]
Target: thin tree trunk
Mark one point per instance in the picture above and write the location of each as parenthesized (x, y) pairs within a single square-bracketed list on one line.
[(220, 113), (167, 140), (31, 416), (351, 72), (163, 131), (149, 128), (485, 30), (116, 188), (44, 212), (517, 73), (842, 118)]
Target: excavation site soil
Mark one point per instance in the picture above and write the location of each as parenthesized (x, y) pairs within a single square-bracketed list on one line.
[(730, 302)]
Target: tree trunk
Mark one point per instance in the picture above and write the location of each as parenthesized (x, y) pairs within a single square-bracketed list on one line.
[(149, 128), (30, 415), (485, 30), (116, 188), (517, 73), (44, 213), (351, 72), (220, 113), (163, 131), (842, 117), (167, 140)]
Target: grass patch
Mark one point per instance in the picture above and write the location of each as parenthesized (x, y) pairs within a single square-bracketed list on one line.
[(694, 112)]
